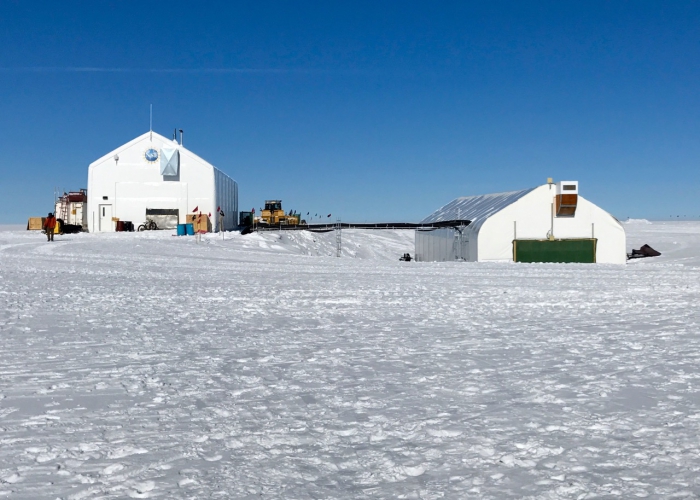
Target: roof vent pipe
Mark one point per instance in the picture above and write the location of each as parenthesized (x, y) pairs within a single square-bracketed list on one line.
[(182, 134)]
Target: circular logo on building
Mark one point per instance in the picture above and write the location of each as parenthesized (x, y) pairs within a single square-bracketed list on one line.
[(151, 155)]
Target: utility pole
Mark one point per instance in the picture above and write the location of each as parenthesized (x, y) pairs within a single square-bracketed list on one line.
[(221, 224), (338, 238)]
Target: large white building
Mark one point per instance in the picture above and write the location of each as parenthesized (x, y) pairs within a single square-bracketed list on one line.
[(549, 223), (157, 177)]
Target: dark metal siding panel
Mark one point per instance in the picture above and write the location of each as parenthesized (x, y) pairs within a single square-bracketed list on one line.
[(563, 251)]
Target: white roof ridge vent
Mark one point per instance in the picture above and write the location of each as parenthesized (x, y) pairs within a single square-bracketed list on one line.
[(567, 187)]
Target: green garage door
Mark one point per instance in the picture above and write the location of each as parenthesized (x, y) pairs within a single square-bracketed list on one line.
[(582, 250)]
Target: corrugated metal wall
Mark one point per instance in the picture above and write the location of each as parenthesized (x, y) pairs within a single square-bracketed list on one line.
[(441, 245), (227, 199)]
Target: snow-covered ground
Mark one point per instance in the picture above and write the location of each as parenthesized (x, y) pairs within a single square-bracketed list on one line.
[(148, 366)]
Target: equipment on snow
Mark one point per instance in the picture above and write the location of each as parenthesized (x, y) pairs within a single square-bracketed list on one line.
[(644, 251)]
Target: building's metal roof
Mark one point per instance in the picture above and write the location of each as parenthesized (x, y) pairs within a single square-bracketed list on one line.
[(476, 208)]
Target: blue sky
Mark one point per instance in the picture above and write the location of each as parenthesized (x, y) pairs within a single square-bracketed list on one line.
[(366, 110)]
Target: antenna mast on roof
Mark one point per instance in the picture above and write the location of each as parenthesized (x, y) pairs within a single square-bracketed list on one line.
[(151, 123)]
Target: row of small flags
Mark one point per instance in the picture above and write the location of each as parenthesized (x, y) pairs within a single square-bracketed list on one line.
[(196, 209), (316, 215)]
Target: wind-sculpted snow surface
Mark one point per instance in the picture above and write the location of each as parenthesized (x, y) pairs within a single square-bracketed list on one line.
[(147, 366)]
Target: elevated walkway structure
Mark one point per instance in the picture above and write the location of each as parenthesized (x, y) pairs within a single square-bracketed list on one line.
[(331, 226)]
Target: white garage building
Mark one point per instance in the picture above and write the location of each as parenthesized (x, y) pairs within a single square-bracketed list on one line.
[(156, 176), (549, 223)]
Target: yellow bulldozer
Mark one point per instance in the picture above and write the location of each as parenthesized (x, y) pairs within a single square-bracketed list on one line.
[(273, 215)]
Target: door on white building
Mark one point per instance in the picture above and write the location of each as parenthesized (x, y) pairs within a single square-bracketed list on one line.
[(105, 216)]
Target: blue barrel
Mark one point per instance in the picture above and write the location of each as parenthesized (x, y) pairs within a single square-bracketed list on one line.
[(181, 229), (190, 229)]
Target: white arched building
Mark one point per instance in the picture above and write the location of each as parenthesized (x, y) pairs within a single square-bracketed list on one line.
[(157, 176), (549, 223)]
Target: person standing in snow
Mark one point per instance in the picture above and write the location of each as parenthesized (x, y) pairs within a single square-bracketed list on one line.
[(49, 226)]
